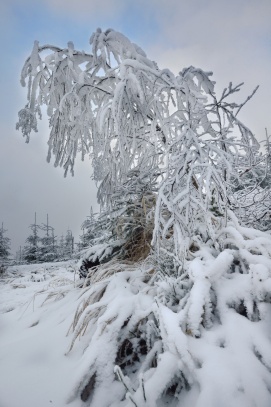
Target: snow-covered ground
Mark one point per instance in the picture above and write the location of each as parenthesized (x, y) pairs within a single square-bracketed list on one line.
[(44, 312), (34, 370)]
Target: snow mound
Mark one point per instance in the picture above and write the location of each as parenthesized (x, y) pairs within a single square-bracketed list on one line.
[(130, 338)]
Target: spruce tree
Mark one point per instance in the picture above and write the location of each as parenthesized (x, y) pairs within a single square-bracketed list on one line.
[(61, 248), (31, 252), (66, 246), (4, 247), (88, 227), (48, 243)]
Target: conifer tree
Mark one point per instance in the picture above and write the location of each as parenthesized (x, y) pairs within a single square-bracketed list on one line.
[(61, 248), (69, 243), (89, 230), (4, 246), (19, 256), (253, 194), (66, 246), (48, 246), (31, 253)]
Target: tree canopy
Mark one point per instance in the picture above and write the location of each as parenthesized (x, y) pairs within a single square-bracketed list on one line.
[(145, 129)]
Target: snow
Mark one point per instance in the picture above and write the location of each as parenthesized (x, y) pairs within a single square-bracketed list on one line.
[(58, 337), (33, 367)]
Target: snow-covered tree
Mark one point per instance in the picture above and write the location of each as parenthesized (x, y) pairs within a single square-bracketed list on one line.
[(106, 108), (48, 243), (19, 256), (203, 159), (4, 247), (253, 194), (41, 244), (182, 314), (61, 248), (66, 246), (31, 252), (69, 243), (89, 228)]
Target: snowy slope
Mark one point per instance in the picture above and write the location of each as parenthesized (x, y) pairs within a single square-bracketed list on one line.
[(59, 342), (34, 370)]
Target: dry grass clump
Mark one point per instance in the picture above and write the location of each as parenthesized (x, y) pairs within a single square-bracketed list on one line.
[(2, 269), (137, 224), (104, 271), (138, 246), (91, 314), (94, 298), (93, 305), (18, 286)]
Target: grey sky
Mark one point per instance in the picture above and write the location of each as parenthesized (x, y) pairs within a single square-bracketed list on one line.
[(232, 38)]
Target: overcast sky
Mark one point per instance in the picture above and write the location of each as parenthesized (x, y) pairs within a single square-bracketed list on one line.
[(232, 38)]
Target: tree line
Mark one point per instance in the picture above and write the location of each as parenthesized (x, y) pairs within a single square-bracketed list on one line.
[(42, 245)]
